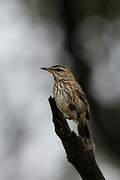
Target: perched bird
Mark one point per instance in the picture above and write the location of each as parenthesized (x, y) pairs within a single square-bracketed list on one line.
[(71, 101)]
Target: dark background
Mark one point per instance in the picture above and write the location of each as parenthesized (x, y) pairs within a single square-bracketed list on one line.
[(83, 35)]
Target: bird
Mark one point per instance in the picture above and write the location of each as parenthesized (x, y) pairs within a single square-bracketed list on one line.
[(72, 101)]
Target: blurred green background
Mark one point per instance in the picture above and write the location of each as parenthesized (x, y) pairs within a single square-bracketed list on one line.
[(83, 35)]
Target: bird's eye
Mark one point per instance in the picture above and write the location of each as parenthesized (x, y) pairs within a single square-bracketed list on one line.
[(58, 70)]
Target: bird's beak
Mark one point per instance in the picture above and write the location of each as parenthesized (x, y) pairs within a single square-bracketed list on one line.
[(47, 69)]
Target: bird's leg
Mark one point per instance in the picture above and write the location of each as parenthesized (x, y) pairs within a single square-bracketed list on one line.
[(66, 117)]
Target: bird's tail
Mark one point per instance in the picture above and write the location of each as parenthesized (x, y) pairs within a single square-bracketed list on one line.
[(84, 132)]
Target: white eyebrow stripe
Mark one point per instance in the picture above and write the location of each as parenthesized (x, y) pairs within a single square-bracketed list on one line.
[(59, 68)]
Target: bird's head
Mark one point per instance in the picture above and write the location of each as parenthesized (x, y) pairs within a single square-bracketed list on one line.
[(60, 72)]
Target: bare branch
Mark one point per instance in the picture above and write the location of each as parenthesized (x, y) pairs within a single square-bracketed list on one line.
[(83, 161)]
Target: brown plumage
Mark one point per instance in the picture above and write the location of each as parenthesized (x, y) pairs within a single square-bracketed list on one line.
[(71, 101)]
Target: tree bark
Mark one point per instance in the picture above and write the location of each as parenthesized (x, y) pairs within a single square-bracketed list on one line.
[(83, 161)]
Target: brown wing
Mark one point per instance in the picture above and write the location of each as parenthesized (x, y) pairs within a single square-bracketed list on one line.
[(83, 98)]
